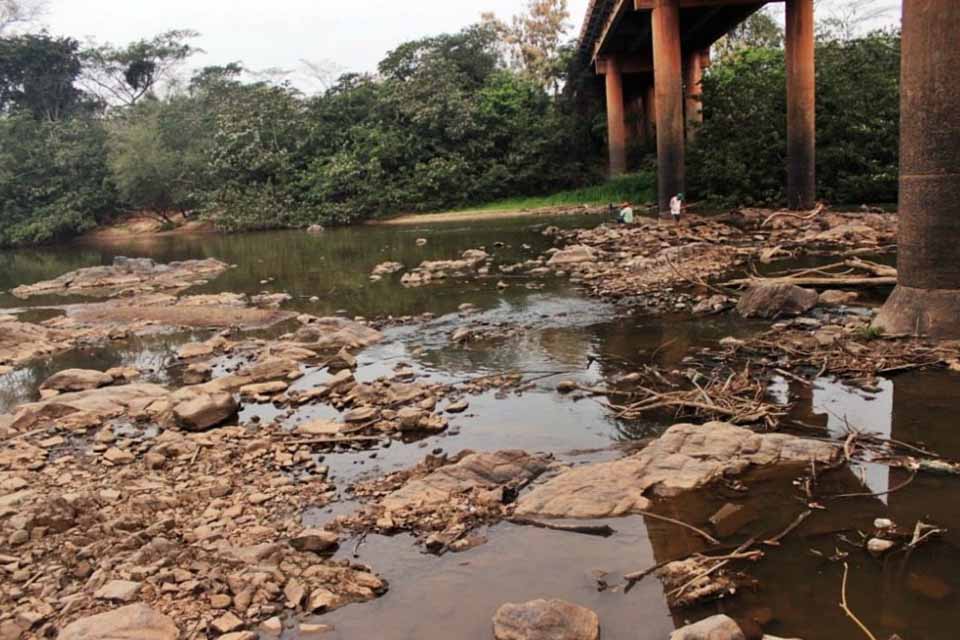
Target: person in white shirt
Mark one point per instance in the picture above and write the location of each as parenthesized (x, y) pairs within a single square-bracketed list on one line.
[(626, 214), (676, 206)]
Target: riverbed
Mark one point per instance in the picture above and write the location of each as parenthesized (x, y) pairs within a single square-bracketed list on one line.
[(560, 334)]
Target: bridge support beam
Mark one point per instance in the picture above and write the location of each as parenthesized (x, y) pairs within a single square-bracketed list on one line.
[(616, 120), (650, 113), (692, 79), (927, 297), (801, 106), (668, 85)]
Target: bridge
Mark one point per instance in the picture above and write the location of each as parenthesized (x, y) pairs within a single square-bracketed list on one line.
[(652, 54)]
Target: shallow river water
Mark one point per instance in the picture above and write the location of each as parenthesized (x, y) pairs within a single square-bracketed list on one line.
[(566, 335)]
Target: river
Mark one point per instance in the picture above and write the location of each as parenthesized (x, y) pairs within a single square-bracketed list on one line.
[(561, 334)]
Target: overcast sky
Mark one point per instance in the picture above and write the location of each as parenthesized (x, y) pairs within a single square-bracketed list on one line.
[(265, 34)]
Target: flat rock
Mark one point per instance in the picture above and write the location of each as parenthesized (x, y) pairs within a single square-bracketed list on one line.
[(475, 470), (717, 627), (545, 620), (775, 300), (127, 274), (316, 540), (685, 457), (77, 380), (205, 411), (118, 591), (320, 428), (133, 622), (573, 255)]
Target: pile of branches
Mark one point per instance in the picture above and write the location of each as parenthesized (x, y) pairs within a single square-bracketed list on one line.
[(857, 356), (735, 396), (852, 272)]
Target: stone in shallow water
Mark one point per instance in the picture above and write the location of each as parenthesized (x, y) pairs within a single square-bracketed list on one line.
[(545, 620), (718, 627), (770, 300), (685, 457), (77, 380)]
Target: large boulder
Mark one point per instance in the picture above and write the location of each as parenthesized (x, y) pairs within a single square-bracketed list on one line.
[(774, 300), (685, 457), (545, 620), (717, 627), (133, 622), (77, 380), (576, 254), (205, 411)]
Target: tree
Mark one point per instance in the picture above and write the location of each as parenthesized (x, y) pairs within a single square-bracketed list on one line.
[(760, 30), (122, 76), (37, 75), (535, 38), (15, 13)]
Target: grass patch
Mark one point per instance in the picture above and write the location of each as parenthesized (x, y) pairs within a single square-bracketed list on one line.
[(637, 188)]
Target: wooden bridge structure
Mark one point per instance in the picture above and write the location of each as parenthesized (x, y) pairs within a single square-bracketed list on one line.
[(652, 54)]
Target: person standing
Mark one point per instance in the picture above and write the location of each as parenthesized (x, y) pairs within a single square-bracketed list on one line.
[(676, 206)]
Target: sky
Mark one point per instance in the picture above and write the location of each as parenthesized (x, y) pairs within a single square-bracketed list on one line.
[(342, 35)]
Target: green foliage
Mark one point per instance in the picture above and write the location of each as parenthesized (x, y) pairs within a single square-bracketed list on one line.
[(740, 152), (37, 74), (54, 181), (636, 188)]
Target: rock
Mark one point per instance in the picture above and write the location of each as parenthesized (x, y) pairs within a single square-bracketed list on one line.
[(832, 297), (272, 627), (294, 592), (878, 546), (714, 304), (205, 411), (135, 621), (195, 350), (719, 627), (127, 274), (457, 407), (77, 380), (321, 599), (475, 470), (576, 254), (226, 623), (774, 300), (386, 268), (220, 601), (239, 635), (263, 389), (316, 540), (320, 428), (342, 360), (421, 242), (197, 373), (884, 524), (119, 591), (315, 229), (308, 631), (361, 414), (545, 620), (685, 457), (567, 386), (118, 456)]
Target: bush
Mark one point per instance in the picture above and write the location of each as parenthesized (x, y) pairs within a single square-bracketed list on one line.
[(739, 157)]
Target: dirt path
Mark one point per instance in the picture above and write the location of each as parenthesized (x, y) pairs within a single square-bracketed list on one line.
[(471, 216)]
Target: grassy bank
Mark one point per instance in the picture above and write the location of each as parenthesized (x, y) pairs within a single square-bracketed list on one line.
[(637, 188)]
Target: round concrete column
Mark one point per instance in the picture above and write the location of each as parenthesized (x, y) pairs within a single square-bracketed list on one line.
[(927, 297)]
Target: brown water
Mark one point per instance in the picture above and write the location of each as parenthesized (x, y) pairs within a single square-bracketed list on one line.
[(564, 336)]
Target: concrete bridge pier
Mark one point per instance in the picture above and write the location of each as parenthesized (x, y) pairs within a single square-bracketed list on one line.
[(801, 105), (616, 120), (668, 87), (927, 297)]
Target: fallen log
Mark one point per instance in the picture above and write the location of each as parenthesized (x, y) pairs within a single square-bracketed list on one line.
[(604, 531), (851, 281)]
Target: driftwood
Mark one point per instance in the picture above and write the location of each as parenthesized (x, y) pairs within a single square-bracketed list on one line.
[(823, 281), (586, 529)]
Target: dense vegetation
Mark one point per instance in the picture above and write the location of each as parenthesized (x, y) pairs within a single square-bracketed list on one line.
[(739, 155), (497, 112)]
